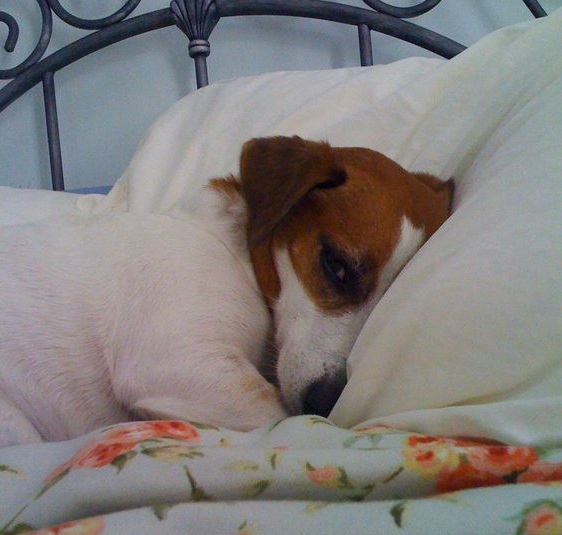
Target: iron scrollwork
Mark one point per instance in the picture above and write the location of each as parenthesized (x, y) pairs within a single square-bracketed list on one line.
[(424, 6), (13, 34), (47, 8), (196, 19), (402, 12)]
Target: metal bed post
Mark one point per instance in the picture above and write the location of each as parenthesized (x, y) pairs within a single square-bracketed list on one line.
[(365, 45), (53, 135), (535, 8), (197, 19), (199, 50)]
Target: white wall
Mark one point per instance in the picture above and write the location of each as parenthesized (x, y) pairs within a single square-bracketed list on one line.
[(120, 90)]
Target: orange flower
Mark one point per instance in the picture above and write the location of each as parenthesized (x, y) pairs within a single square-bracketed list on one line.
[(542, 471), (93, 454), (89, 526), (544, 518), (501, 460), (465, 476), (98, 453), (375, 429), (150, 430), (430, 456), (326, 476), (423, 440), (466, 441)]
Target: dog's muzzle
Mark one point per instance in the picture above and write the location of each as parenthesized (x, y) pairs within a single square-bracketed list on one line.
[(321, 396)]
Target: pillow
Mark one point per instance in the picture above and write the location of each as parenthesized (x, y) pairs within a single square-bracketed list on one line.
[(468, 339), (202, 135), (472, 328)]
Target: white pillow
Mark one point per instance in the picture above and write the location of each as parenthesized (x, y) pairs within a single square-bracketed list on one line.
[(475, 318), (474, 322), (201, 136)]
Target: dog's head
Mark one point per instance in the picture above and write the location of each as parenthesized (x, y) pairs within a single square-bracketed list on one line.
[(328, 231)]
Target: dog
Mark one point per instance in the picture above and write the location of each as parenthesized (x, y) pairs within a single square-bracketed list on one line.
[(120, 316)]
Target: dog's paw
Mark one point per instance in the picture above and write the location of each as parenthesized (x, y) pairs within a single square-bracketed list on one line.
[(235, 416), (15, 428)]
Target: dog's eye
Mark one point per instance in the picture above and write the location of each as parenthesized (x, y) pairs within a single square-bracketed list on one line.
[(334, 266)]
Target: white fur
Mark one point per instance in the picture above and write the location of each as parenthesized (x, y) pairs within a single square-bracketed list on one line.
[(313, 343), (107, 318), (119, 316)]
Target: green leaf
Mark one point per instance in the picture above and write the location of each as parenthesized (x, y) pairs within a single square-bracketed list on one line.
[(9, 469), (197, 493), (393, 474), (350, 442), (313, 507), (174, 452), (22, 527), (397, 511), (319, 420), (258, 488), (275, 424), (365, 491), (242, 465), (52, 483), (121, 460), (204, 427), (161, 511), (362, 492), (370, 440), (343, 480), (273, 461)]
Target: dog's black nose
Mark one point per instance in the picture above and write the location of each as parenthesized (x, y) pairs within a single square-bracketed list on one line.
[(321, 396)]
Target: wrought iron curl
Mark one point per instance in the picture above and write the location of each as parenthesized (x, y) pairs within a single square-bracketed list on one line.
[(12, 39), (402, 12), (13, 31), (47, 8), (93, 24)]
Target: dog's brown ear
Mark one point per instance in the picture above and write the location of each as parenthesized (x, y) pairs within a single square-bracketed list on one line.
[(277, 173), (446, 188)]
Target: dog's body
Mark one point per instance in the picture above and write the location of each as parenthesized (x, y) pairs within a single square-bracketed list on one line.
[(114, 317)]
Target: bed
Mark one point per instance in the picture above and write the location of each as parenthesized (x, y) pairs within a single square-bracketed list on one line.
[(451, 421)]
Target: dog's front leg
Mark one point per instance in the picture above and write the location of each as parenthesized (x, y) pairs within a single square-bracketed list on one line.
[(15, 428), (227, 392)]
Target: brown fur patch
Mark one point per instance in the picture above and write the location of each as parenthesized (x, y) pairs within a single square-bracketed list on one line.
[(229, 185), (262, 256), (301, 193)]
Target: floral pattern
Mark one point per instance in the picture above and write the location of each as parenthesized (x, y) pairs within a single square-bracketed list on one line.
[(117, 446), (541, 518), (152, 473), (457, 464), (88, 526)]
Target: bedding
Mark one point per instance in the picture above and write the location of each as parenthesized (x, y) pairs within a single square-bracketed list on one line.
[(468, 340), (451, 419), (304, 475)]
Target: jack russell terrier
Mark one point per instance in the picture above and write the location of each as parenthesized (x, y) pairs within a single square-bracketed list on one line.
[(120, 316)]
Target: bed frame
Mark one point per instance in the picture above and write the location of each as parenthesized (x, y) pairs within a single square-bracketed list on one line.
[(196, 19)]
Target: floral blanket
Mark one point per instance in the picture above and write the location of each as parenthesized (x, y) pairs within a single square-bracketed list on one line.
[(303, 475)]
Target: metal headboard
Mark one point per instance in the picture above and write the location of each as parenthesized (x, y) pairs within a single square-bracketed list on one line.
[(197, 19)]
